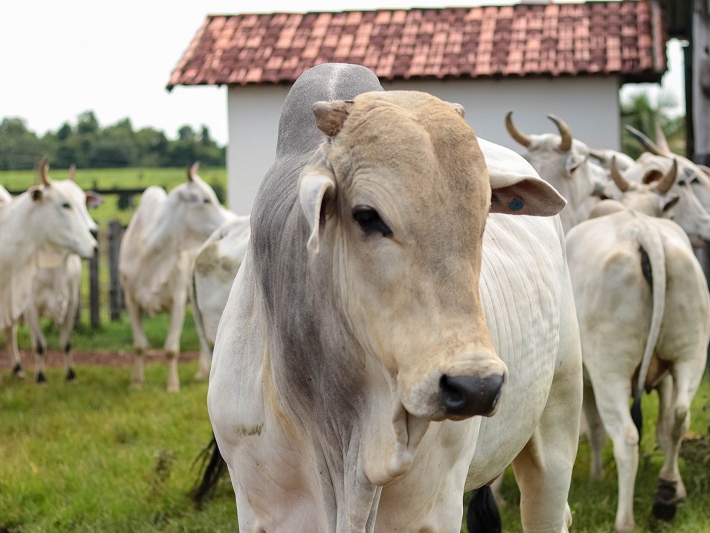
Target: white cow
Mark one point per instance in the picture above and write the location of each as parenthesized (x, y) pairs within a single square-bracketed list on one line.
[(372, 317), (42, 223), (56, 289), (643, 304), (216, 265), (564, 162), (156, 254)]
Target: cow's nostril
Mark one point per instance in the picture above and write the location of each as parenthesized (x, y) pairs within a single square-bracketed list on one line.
[(469, 395)]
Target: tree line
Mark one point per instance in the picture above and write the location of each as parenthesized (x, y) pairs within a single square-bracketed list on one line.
[(89, 145)]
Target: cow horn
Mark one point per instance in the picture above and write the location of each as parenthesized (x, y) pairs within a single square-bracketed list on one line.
[(43, 169), (566, 142), (514, 132), (330, 116), (192, 170), (619, 180), (661, 141), (647, 143), (72, 172), (666, 182)]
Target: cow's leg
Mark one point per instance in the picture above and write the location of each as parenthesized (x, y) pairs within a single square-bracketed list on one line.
[(14, 351), (172, 342), (595, 430), (203, 370), (543, 469), (140, 342), (612, 393), (665, 412), (38, 341), (687, 375), (65, 332)]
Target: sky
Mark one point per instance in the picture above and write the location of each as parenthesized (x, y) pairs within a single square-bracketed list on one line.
[(61, 58)]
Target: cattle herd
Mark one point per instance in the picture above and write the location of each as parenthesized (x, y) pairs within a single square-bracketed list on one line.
[(408, 309)]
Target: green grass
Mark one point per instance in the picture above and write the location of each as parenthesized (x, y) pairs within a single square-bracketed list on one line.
[(593, 503), (97, 456)]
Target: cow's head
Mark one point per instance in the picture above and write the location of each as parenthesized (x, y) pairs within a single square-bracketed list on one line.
[(564, 162), (192, 211), (57, 221), (396, 201), (651, 188), (80, 198)]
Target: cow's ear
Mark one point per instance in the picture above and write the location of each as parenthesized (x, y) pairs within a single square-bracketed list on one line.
[(330, 116), (516, 188), (93, 199), (316, 191), (36, 193)]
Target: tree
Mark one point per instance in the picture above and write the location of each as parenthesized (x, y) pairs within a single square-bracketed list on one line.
[(87, 123), (643, 115)]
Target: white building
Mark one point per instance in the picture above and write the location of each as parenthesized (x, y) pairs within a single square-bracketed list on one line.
[(533, 59)]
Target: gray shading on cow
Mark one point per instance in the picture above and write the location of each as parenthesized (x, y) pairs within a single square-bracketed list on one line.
[(380, 308), (642, 303), (155, 260)]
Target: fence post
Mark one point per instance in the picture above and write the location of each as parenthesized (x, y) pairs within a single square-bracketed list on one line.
[(115, 234), (94, 300)]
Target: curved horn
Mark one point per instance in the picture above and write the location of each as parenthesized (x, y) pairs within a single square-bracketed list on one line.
[(619, 180), (661, 141), (647, 143), (72, 172), (192, 170), (514, 132), (43, 169), (566, 135), (666, 182)]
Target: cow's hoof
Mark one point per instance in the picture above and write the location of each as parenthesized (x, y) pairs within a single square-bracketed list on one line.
[(41, 380), (136, 385), (18, 372), (172, 387), (71, 376), (665, 501), (201, 375)]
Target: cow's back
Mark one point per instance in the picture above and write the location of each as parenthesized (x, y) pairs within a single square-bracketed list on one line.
[(526, 293)]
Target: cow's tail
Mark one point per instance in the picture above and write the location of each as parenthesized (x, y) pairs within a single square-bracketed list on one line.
[(482, 515), (212, 467), (653, 265)]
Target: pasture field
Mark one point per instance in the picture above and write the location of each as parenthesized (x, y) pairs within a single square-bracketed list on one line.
[(97, 456)]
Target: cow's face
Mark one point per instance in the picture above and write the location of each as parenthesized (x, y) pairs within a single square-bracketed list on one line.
[(78, 196), (194, 210), (58, 223), (397, 200), (562, 161)]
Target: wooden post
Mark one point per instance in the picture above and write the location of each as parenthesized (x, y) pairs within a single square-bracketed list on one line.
[(115, 234), (94, 299)]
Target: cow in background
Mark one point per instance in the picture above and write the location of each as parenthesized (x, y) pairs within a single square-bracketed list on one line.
[(642, 304), (565, 163), (56, 289), (36, 228), (370, 312), (156, 256), (216, 265)]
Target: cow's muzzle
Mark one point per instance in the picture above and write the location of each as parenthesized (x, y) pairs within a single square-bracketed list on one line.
[(464, 396)]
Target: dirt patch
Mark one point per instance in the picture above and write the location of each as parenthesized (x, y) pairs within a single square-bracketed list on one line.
[(100, 358)]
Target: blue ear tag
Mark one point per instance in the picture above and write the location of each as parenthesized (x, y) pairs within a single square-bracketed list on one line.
[(516, 205)]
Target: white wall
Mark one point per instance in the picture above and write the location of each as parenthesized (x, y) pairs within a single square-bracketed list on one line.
[(589, 106)]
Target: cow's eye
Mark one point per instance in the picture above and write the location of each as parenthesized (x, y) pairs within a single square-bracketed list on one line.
[(206, 200), (369, 220), (695, 180), (66, 205)]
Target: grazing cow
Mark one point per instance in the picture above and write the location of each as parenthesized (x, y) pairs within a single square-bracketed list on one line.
[(155, 258), (42, 223), (216, 265), (643, 304), (564, 162), (372, 317)]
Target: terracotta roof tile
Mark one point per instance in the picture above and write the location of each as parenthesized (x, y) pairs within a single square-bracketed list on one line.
[(598, 38)]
